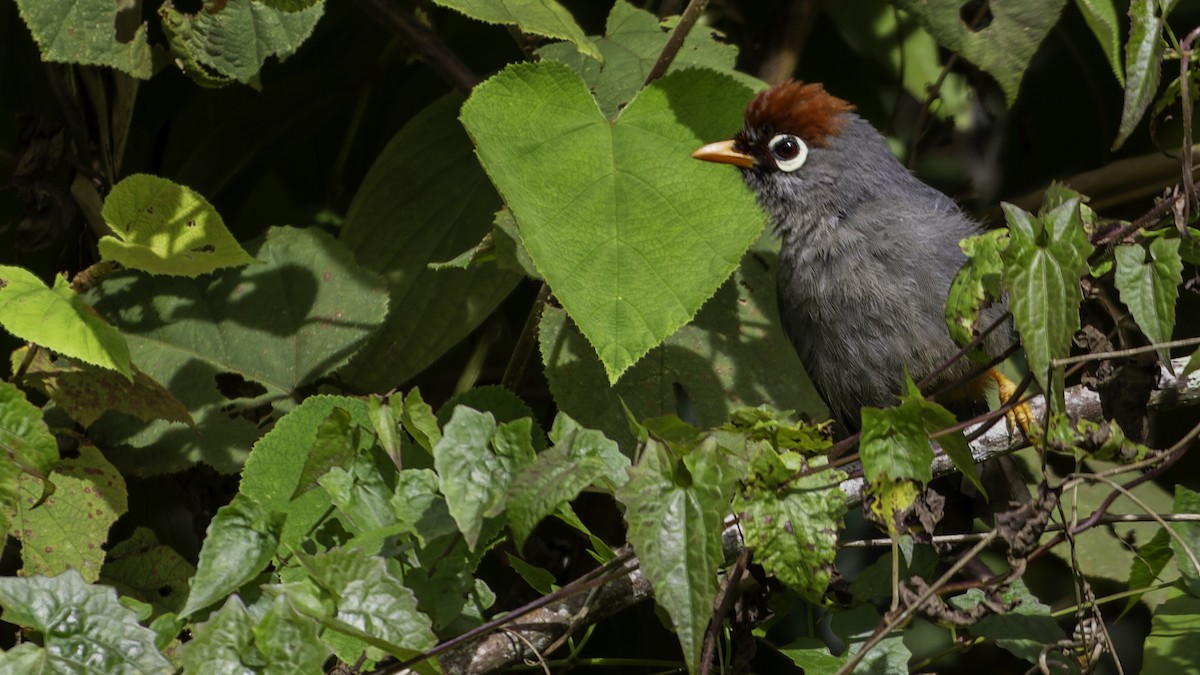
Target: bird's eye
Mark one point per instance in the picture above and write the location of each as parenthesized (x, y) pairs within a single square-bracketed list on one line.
[(789, 152)]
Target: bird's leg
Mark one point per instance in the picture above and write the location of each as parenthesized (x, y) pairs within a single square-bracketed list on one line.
[(1020, 416)]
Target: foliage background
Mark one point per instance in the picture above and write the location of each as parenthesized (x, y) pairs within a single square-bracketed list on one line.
[(353, 114)]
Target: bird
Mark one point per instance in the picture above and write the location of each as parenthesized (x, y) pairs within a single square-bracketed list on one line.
[(867, 255)]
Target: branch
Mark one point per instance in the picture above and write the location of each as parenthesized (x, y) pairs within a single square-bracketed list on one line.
[(424, 42), (675, 42), (542, 627)]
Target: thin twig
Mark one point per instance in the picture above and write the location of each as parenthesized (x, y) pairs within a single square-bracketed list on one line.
[(891, 624), (1185, 55), (1122, 353), (1108, 519), (424, 42), (675, 42)]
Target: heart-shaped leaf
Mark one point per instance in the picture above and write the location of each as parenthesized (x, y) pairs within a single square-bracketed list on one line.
[(631, 233)]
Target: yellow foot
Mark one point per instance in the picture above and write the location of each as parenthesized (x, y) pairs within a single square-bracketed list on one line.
[(1020, 416)]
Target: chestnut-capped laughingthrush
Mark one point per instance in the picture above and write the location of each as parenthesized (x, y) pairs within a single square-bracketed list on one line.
[(867, 255)]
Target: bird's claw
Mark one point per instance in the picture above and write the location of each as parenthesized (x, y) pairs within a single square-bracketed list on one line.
[(1021, 415)]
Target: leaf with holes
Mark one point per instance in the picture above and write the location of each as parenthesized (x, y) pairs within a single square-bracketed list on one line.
[(230, 41), (1006, 36), (162, 227), (630, 232)]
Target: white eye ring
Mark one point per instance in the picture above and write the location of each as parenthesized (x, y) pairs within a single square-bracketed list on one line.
[(788, 151)]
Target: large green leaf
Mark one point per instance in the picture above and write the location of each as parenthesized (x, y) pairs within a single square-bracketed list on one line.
[(145, 569), (239, 338), (56, 318), (69, 529), (81, 624), (733, 354), (282, 641), (540, 17), (1043, 262), (631, 233), (674, 508), (162, 227), (231, 40), (424, 199), (82, 31), (1148, 278), (1002, 47), (633, 39), (1143, 64)]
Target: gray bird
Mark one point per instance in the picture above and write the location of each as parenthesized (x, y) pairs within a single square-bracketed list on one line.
[(867, 256)]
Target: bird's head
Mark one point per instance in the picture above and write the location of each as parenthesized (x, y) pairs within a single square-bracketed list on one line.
[(799, 150)]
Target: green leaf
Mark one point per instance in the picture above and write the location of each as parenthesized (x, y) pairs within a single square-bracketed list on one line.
[(629, 186), (855, 627), (80, 624), (447, 206), (1148, 278), (223, 643), (82, 31), (580, 457), (69, 528), (1004, 47), (1143, 65), (1101, 17), (1171, 645), (232, 40), (236, 339), (239, 542), (977, 284), (370, 603), (162, 227), (540, 17), (476, 462), (632, 42), (729, 357), (1042, 266), (1151, 558), (1192, 365), (363, 492), (813, 657), (141, 567), (419, 506), (674, 508), (1024, 630), (502, 403), (273, 470), (792, 526), (335, 446), (419, 421), (57, 319), (27, 445), (895, 445), (1187, 501), (289, 641), (85, 392), (934, 418)]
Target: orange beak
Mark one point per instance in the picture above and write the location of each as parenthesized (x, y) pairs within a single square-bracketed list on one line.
[(722, 152)]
